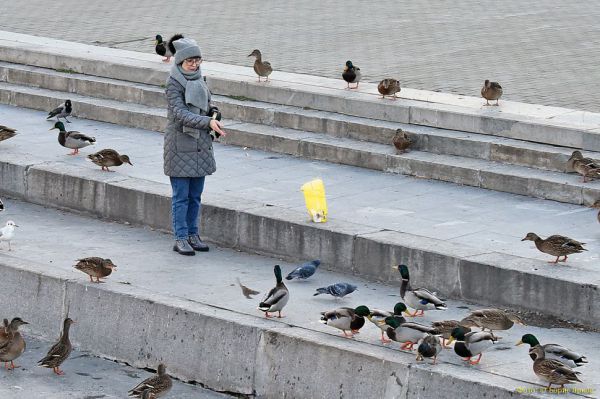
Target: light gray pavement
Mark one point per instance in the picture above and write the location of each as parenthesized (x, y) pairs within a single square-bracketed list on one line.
[(86, 377), (542, 51), (474, 217), (145, 261)]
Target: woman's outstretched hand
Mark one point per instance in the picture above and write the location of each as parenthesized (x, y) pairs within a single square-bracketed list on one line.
[(217, 127)]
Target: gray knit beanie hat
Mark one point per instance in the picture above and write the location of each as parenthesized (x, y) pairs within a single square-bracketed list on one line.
[(186, 48)]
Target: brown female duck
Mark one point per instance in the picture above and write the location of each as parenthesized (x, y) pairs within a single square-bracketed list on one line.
[(401, 141), (108, 157), (95, 267), (262, 68), (60, 351), (7, 132), (389, 87), (491, 91), (158, 385), (550, 370), (492, 319), (556, 245), (586, 167), (12, 344)]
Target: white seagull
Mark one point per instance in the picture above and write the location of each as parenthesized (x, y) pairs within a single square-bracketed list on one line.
[(7, 233)]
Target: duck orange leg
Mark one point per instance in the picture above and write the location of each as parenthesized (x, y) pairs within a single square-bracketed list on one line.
[(565, 259), (476, 361), (58, 371), (555, 261), (346, 334), (267, 315), (407, 346), (384, 340)]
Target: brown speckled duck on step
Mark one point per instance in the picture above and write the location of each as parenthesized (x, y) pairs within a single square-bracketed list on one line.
[(95, 267), (556, 245)]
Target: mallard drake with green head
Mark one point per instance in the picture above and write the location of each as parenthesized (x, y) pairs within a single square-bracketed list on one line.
[(445, 328), (262, 68), (471, 344), (166, 50), (12, 344), (429, 347), (491, 91), (72, 139), (597, 206), (407, 332), (378, 317), (7, 132), (107, 158), (401, 141), (389, 87), (95, 267), (351, 74), (62, 111), (556, 245), (419, 299), (550, 370), (346, 319), (586, 167), (159, 385), (554, 351), (60, 351), (492, 319), (277, 298)]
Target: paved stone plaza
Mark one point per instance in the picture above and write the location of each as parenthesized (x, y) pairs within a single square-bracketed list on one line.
[(541, 51)]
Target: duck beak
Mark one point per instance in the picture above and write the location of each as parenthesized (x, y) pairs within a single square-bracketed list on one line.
[(130, 163), (345, 68), (450, 340), (250, 55), (24, 322), (524, 239), (519, 343), (52, 128), (395, 267)]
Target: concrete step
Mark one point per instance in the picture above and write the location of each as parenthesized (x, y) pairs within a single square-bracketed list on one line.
[(187, 312), (550, 125), (86, 376), (433, 140), (254, 205), (468, 171)]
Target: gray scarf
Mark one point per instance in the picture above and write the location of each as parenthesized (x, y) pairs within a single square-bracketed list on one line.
[(196, 90)]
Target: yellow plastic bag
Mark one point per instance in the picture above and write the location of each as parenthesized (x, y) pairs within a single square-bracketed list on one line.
[(314, 195)]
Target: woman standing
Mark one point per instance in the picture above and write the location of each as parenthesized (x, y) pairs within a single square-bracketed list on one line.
[(188, 151)]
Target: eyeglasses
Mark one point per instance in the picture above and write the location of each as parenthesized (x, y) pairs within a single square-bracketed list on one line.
[(191, 61)]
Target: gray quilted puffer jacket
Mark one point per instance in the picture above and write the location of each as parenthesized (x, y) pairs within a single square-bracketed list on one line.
[(188, 150)]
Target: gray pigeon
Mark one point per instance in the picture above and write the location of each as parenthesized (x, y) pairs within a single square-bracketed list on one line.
[(338, 290), (304, 271)]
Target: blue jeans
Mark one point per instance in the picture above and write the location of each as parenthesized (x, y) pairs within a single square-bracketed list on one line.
[(187, 192)]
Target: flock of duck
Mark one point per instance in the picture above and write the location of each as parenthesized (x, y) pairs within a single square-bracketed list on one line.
[(553, 363)]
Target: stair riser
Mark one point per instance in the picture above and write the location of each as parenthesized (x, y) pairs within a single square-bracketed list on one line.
[(406, 111), (342, 246), (286, 117)]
